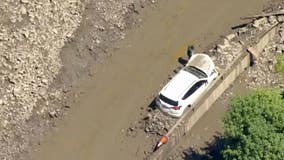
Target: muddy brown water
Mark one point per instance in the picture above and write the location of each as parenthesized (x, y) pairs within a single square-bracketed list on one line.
[(112, 98)]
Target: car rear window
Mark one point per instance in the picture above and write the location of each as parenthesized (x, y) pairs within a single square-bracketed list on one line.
[(195, 71), (167, 100)]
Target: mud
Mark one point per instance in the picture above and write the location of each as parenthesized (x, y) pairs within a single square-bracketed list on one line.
[(121, 88)]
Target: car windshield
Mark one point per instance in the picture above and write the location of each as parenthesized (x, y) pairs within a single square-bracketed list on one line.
[(195, 71), (167, 100)]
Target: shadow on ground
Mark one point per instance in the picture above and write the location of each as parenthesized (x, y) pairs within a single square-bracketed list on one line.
[(153, 105), (212, 151)]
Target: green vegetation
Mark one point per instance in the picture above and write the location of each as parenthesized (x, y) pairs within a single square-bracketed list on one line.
[(279, 66), (254, 127)]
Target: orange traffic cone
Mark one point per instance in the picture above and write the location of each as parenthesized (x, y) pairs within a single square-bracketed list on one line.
[(162, 141)]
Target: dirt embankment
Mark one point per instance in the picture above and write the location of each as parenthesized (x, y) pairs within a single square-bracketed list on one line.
[(104, 23), (34, 75), (32, 34)]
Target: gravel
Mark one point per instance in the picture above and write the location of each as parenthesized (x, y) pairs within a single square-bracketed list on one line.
[(31, 36), (35, 68)]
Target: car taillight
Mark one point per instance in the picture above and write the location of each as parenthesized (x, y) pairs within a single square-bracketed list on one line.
[(176, 107)]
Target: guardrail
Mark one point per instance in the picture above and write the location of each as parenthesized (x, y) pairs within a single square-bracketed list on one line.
[(250, 52)]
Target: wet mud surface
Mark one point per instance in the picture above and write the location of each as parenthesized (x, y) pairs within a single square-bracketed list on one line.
[(118, 94)]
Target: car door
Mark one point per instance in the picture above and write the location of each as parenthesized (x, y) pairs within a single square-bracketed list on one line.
[(194, 92)]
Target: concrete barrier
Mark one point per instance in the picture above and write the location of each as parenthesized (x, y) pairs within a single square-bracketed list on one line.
[(192, 115)]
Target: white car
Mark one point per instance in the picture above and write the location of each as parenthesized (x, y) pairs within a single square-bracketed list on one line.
[(187, 85)]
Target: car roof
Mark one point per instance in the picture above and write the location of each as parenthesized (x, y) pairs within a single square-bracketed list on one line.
[(202, 62), (177, 87)]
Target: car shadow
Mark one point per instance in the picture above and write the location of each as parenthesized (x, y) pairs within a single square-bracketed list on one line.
[(212, 151), (153, 105)]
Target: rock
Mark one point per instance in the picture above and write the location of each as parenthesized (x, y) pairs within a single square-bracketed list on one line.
[(280, 48), (97, 41), (272, 20), (259, 23), (17, 91), (5, 123), (220, 48), (131, 132), (280, 18), (226, 42), (25, 1), (55, 31), (52, 114), (230, 36), (281, 35), (242, 30), (23, 10), (271, 68), (100, 28), (224, 52), (44, 81), (42, 92)]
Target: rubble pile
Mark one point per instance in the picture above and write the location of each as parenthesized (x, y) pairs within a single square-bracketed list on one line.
[(263, 72), (157, 123), (224, 54), (114, 12), (32, 34)]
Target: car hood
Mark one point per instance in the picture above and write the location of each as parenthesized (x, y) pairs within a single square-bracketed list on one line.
[(202, 62)]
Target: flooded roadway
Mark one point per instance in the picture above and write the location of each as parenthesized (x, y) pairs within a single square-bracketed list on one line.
[(124, 83)]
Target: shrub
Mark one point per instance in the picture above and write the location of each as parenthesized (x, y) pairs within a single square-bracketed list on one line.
[(279, 66), (254, 127)]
